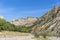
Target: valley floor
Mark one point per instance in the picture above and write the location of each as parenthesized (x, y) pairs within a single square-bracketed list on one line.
[(17, 38), (6, 35), (26, 38), (9, 35), (55, 38)]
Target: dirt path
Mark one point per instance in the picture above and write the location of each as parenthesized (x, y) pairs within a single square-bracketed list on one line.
[(17, 37), (24, 38)]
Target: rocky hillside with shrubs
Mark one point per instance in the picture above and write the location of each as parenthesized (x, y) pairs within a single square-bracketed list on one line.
[(48, 24)]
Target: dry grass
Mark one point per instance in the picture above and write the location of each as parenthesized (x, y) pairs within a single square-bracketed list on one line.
[(10, 33), (41, 39)]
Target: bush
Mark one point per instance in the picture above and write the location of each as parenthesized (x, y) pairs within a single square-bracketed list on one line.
[(6, 26)]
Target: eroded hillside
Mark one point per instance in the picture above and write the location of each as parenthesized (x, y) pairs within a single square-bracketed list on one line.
[(49, 24)]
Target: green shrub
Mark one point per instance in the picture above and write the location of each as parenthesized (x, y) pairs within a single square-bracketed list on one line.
[(6, 26)]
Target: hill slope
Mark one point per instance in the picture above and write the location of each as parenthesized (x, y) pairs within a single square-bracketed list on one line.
[(49, 24)]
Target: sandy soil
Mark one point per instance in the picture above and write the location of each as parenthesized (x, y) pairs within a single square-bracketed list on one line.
[(16, 37), (24, 38), (55, 38)]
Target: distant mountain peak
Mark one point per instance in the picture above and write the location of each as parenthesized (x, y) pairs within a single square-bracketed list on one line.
[(57, 9), (24, 21)]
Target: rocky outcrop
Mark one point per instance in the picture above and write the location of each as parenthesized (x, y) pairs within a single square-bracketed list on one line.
[(24, 22)]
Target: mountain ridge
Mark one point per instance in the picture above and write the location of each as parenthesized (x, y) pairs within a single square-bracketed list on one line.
[(24, 21), (48, 23)]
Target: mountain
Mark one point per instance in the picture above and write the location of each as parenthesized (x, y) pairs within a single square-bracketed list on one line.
[(48, 24), (24, 21)]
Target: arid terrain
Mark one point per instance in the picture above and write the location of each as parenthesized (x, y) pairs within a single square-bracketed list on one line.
[(17, 38), (6, 35), (25, 38)]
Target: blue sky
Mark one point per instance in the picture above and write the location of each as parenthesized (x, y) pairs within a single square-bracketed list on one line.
[(14, 9)]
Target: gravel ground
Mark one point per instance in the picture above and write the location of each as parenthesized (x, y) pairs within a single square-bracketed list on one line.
[(16, 37), (24, 38), (55, 38)]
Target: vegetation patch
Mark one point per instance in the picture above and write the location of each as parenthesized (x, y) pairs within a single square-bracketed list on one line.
[(11, 33), (41, 39)]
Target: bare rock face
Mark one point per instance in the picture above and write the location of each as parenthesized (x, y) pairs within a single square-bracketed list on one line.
[(49, 23), (24, 22)]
